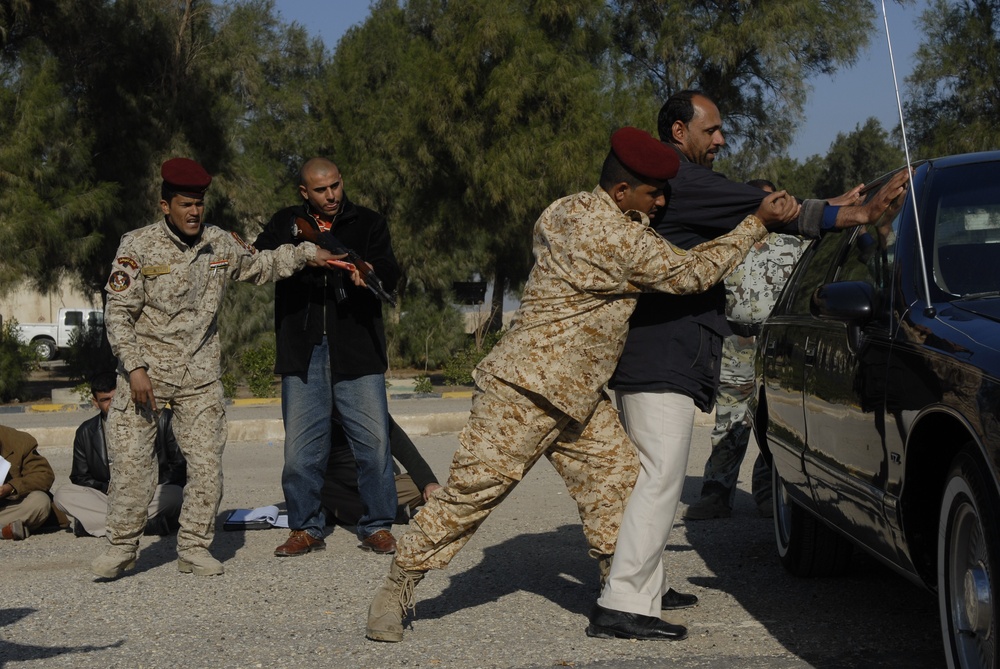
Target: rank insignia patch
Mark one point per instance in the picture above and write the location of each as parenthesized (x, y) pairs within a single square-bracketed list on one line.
[(119, 281)]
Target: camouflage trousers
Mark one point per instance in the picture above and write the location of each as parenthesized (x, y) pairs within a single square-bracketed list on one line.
[(199, 424), (509, 429), (731, 435)]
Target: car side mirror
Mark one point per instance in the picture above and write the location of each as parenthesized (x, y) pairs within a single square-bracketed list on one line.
[(852, 302)]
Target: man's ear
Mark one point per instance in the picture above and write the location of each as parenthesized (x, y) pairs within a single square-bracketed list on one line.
[(619, 191), (678, 131), (164, 206), (303, 192)]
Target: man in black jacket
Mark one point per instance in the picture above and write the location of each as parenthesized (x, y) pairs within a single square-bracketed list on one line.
[(85, 498), (332, 360)]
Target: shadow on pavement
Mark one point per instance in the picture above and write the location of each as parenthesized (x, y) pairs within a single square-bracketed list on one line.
[(870, 617), (554, 565), (10, 652)]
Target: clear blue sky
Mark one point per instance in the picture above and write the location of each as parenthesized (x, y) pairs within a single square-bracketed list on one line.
[(837, 104)]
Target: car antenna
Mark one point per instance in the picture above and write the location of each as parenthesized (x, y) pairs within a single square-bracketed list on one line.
[(929, 310)]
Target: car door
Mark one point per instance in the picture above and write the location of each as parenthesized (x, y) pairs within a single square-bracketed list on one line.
[(782, 362), (846, 366)]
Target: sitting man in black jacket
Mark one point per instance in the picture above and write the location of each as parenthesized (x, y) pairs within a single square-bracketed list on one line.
[(85, 498)]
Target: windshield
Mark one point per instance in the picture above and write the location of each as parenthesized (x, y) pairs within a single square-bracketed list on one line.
[(965, 203)]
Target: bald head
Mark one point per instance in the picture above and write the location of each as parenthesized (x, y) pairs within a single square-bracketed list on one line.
[(322, 187)]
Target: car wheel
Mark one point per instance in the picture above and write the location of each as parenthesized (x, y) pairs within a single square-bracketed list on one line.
[(806, 546), (967, 573), (45, 347)]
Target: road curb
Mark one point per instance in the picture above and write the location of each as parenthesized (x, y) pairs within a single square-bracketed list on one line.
[(272, 429)]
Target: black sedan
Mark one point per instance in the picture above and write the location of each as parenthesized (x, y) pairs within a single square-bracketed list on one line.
[(878, 399)]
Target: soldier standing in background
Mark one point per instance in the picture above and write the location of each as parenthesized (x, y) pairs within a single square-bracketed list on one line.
[(164, 293), (751, 291)]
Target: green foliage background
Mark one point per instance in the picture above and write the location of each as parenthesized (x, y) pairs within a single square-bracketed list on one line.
[(459, 120)]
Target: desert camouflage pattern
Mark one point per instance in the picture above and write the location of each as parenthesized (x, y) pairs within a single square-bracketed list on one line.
[(540, 390), (731, 434), (753, 288), (163, 300), (596, 460), (163, 297), (199, 424), (751, 293), (591, 263)]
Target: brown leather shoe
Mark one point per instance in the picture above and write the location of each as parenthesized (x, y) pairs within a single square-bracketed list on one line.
[(299, 542), (16, 531), (380, 542)]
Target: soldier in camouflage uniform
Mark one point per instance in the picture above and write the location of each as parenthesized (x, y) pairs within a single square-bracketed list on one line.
[(751, 292), (164, 294), (539, 391)]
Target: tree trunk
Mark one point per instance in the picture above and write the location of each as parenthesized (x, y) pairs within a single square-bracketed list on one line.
[(496, 304)]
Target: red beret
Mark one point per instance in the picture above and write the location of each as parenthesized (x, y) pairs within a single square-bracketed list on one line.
[(644, 155), (184, 176)]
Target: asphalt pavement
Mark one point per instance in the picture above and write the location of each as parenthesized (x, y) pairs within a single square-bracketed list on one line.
[(517, 595)]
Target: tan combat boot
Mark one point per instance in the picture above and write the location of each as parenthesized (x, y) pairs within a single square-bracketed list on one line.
[(113, 562), (199, 562), (392, 599)]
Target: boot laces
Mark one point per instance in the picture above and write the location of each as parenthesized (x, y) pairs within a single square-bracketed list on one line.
[(406, 597)]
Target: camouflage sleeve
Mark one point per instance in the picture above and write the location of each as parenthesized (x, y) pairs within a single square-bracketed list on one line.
[(126, 298), (261, 267), (660, 266)]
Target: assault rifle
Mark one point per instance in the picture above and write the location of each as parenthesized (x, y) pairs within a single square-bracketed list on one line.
[(305, 229)]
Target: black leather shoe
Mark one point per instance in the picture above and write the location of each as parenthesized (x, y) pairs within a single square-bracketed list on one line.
[(677, 600), (611, 624)]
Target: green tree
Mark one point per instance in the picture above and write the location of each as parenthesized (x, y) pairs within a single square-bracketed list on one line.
[(463, 120), (954, 104), (95, 112), (857, 157), (48, 197), (798, 178), (753, 58)]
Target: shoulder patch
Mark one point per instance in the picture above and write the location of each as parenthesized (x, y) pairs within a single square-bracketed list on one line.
[(119, 281), (125, 261), (239, 240)]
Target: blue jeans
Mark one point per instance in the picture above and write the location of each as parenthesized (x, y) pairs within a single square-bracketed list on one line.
[(307, 407)]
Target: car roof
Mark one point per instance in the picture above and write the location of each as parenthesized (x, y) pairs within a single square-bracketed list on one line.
[(965, 159)]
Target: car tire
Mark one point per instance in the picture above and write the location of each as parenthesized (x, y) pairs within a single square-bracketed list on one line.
[(967, 564), (806, 546), (45, 347)]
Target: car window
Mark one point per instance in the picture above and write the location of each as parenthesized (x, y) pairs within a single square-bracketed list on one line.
[(964, 202), (814, 270), (870, 254)]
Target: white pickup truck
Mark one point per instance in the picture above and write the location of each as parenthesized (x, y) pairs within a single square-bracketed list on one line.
[(48, 338)]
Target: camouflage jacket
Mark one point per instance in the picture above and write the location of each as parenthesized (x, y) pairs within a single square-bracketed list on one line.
[(591, 263), (753, 288), (164, 296)]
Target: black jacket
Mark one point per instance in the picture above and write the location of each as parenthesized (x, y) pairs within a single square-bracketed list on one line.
[(674, 342), (306, 305), (90, 455)]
